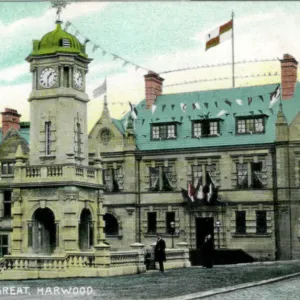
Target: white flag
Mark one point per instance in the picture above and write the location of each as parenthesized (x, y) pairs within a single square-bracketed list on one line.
[(100, 90)]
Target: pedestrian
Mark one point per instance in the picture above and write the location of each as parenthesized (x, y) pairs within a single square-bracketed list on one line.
[(207, 251), (159, 252)]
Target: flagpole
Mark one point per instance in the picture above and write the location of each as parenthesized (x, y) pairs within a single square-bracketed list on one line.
[(233, 83)]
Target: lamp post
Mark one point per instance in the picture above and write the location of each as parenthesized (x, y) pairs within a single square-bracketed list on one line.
[(172, 225), (218, 225)]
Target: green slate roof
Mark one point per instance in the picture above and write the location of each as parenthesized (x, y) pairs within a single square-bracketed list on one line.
[(51, 43), (168, 110)]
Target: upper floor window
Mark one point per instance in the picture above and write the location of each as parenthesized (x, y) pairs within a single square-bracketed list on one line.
[(48, 138), (161, 178), (249, 175), (204, 128), (164, 131), (7, 204), (7, 168), (3, 244), (203, 174), (113, 177), (105, 135), (250, 125)]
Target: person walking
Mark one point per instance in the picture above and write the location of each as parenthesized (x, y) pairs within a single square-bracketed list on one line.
[(159, 252), (207, 252)]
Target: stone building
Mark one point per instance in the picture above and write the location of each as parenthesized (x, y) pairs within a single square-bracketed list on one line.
[(238, 146), (243, 142)]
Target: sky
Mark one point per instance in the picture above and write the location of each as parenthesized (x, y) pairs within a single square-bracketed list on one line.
[(158, 36)]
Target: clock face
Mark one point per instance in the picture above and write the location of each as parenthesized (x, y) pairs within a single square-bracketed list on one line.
[(77, 79), (48, 77)]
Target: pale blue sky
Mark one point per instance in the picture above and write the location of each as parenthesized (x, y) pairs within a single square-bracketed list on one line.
[(159, 36)]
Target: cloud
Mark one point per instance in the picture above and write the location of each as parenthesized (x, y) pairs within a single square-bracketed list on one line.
[(12, 73)]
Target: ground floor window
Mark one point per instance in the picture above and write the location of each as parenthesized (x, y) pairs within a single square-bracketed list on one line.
[(151, 218), (240, 222), (261, 221)]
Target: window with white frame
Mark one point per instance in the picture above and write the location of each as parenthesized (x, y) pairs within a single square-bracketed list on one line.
[(249, 175), (113, 177), (250, 125), (204, 175), (205, 128), (7, 168), (161, 178), (164, 131)]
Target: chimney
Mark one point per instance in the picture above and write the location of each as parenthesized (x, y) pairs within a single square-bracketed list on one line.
[(288, 76), (10, 119), (153, 87)]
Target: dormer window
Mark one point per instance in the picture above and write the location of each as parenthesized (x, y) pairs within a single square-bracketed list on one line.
[(164, 131), (65, 43), (250, 125), (204, 128)]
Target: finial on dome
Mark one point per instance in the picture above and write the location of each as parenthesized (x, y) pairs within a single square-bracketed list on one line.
[(59, 5)]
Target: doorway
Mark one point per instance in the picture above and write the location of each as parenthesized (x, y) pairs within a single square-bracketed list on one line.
[(204, 226)]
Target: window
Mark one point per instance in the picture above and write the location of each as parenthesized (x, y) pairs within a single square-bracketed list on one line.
[(164, 131), (240, 222), (161, 178), (7, 204), (170, 217), (198, 177), (78, 139), (250, 125), (111, 224), (253, 179), (105, 135), (66, 76), (261, 221), (65, 43), (151, 222), (111, 178), (48, 138), (3, 244), (7, 168), (205, 128)]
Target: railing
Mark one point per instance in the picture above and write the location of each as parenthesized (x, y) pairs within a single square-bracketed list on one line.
[(124, 258), (60, 172), (58, 263)]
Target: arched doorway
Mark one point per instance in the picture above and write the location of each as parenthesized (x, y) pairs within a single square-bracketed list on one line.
[(86, 234), (111, 224), (43, 231)]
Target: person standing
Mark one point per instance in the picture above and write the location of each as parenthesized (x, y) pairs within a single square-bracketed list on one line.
[(159, 252), (207, 252)]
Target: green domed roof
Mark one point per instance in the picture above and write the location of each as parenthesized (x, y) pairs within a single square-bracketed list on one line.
[(58, 40)]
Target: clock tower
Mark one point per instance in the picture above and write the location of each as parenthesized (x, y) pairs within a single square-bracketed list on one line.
[(58, 102)]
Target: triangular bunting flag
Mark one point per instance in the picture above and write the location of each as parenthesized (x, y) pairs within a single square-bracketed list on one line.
[(261, 111), (86, 40), (261, 98), (163, 107), (271, 110), (125, 63), (153, 108), (67, 25), (249, 100), (134, 112), (172, 106), (221, 113), (95, 47), (216, 104), (76, 32), (274, 96), (251, 112), (239, 101), (143, 121), (103, 52), (196, 105), (228, 102), (115, 56), (206, 104), (183, 107)]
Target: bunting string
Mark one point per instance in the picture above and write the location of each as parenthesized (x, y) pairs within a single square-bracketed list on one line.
[(96, 46), (219, 65), (223, 78)]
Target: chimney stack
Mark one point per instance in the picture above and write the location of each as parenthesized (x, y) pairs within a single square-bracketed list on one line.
[(10, 119), (153, 87), (288, 76)]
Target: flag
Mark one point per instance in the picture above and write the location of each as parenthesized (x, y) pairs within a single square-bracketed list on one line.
[(191, 192), (185, 195), (200, 193), (133, 110), (274, 96), (86, 40), (163, 107), (172, 106), (228, 102), (219, 35), (206, 104), (183, 107), (153, 108), (239, 101), (216, 104), (67, 25), (143, 121), (100, 90), (261, 98), (249, 100), (95, 47), (221, 113), (196, 105)]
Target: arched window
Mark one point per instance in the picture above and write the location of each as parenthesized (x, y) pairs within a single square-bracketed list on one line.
[(111, 224), (105, 135)]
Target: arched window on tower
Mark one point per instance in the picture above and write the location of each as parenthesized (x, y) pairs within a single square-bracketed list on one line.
[(111, 224)]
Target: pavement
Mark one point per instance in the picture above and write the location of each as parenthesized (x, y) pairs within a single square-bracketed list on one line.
[(246, 281)]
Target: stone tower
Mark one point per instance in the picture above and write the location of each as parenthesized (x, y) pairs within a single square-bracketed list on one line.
[(57, 197)]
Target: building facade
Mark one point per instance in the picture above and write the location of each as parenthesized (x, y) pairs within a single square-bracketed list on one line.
[(237, 149)]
